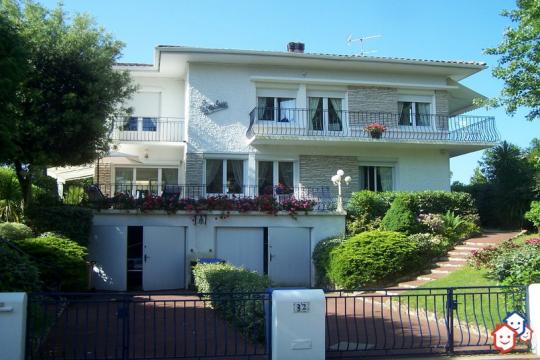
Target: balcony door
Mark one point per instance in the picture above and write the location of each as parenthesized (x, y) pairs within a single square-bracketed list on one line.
[(275, 177), (325, 114)]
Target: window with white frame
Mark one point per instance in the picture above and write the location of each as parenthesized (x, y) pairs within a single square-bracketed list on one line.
[(275, 176), (148, 179), (325, 113), (281, 109), (224, 176), (377, 178), (414, 113)]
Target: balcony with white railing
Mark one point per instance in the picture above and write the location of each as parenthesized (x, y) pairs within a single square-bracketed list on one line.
[(274, 124), (147, 129)]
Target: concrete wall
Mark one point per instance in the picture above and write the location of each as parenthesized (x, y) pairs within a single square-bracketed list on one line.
[(171, 90), (200, 238)]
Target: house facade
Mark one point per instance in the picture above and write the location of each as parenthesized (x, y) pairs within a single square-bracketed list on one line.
[(247, 123)]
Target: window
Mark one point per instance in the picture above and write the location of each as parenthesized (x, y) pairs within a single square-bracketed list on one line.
[(414, 113), (271, 108), (130, 124), (143, 179), (325, 113), (376, 178), (169, 176), (149, 124), (232, 171), (275, 175)]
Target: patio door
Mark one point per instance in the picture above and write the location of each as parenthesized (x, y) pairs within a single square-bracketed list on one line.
[(163, 257), (325, 114), (289, 256)]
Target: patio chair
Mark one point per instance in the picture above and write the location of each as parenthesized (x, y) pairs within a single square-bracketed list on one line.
[(95, 196)]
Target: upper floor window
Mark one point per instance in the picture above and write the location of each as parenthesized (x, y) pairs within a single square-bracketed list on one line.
[(224, 176), (325, 113), (414, 113), (272, 108), (376, 178)]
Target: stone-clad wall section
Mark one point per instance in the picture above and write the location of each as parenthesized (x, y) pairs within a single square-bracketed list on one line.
[(375, 104)]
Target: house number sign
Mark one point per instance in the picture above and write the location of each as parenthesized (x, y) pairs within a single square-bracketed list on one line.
[(301, 307)]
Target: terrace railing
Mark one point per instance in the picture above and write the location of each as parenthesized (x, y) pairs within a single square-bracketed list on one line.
[(147, 129), (294, 123)]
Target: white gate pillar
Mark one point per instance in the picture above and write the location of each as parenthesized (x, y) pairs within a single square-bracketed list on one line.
[(534, 316), (298, 324), (12, 325)]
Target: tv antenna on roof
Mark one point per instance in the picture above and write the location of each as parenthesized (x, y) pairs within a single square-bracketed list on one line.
[(361, 40)]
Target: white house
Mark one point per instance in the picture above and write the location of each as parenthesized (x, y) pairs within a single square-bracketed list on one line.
[(244, 123)]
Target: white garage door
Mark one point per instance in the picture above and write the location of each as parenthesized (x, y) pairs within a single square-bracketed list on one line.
[(289, 256), (241, 247), (164, 257)]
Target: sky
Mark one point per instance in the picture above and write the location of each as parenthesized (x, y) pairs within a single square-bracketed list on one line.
[(426, 29)]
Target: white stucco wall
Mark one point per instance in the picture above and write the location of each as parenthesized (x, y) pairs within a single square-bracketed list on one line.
[(200, 239), (171, 90)]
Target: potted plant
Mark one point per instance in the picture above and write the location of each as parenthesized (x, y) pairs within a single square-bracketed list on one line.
[(375, 130)]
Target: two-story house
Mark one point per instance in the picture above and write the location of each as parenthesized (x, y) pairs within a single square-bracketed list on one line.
[(245, 123)]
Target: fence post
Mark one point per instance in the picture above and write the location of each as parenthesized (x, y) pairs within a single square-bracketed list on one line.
[(533, 296), (450, 320), (13, 307)]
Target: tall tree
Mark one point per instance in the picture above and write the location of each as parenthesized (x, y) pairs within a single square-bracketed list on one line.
[(69, 92), (519, 62)]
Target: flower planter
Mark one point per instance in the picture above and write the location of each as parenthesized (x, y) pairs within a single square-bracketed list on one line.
[(376, 135)]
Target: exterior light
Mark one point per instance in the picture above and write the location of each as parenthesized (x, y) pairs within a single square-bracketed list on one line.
[(336, 180), (340, 172)]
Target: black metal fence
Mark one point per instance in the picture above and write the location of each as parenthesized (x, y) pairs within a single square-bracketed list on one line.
[(372, 322), (147, 129), (354, 124), (142, 326)]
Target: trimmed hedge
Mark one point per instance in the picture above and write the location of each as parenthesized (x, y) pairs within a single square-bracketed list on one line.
[(321, 260), (372, 258), (231, 292), (61, 262), (17, 271), (15, 231), (400, 217), (72, 222)]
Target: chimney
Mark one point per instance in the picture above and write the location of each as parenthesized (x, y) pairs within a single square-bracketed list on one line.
[(295, 47)]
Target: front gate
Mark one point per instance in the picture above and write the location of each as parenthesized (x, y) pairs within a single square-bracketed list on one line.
[(371, 322), (134, 326)]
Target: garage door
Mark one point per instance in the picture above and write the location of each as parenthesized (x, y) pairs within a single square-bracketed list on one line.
[(164, 257), (241, 247), (107, 248), (289, 256)]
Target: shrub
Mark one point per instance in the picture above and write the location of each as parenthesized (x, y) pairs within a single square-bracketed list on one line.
[(10, 196), (432, 223), (429, 246), (533, 215), (61, 261), (15, 231), (17, 271), (400, 218), (74, 195), (440, 202), (70, 221), (369, 204), (372, 258), (223, 283), (321, 259), (520, 266)]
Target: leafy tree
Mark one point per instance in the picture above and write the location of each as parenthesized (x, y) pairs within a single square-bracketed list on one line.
[(519, 62), (533, 155), (68, 92), (478, 177)]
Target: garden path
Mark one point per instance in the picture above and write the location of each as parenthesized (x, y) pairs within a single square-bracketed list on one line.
[(457, 257)]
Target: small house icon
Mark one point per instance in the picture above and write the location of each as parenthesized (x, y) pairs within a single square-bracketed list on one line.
[(527, 334), (516, 321), (504, 338)]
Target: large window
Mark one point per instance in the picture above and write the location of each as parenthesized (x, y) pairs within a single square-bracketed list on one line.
[(224, 176), (275, 177), (376, 178), (414, 113), (325, 113), (272, 108), (143, 179)]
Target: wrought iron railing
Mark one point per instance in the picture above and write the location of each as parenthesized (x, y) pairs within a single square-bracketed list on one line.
[(354, 124), (323, 196), (147, 129)]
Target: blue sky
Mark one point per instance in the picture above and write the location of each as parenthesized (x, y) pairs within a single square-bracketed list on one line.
[(457, 29)]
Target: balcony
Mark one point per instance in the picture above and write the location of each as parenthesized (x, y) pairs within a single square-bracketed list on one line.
[(147, 129), (304, 124)]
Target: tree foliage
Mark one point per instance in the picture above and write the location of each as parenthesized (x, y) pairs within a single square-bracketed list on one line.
[(69, 90), (519, 62)]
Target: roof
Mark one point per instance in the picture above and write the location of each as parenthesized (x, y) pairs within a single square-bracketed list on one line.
[(324, 55), (133, 64)]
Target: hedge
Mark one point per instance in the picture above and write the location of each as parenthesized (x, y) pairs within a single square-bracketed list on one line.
[(61, 262), (72, 222), (400, 217), (372, 258), (232, 292), (15, 231), (321, 260), (17, 271)]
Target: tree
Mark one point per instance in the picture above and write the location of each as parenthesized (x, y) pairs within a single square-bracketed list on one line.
[(533, 155), (519, 62), (68, 93), (478, 177)]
